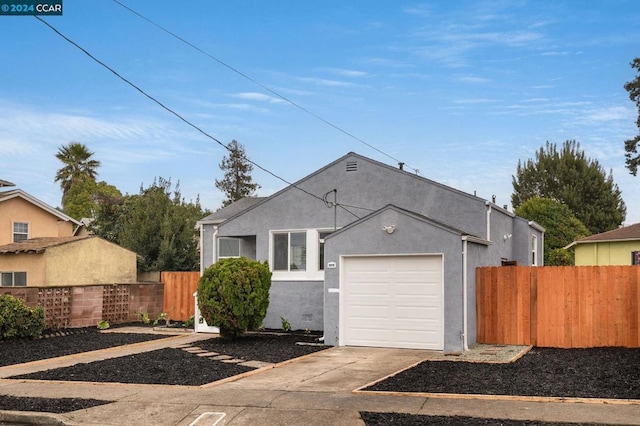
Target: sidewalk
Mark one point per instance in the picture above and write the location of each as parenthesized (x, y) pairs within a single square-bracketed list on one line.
[(316, 389)]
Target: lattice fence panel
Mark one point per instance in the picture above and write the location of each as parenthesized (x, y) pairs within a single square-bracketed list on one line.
[(115, 303), (56, 302)]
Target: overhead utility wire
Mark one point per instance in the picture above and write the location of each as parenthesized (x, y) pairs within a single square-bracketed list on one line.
[(175, 113), (273, 92)]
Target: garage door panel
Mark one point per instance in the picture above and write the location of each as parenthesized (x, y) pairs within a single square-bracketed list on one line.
[(393, 301)]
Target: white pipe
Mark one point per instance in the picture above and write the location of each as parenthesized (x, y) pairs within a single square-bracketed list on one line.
[(488, 221), (465, 343), (214, 249)]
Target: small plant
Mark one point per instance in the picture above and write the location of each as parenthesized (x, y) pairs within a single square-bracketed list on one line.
[(103, 325), (190, 322), (285, 324), (19, 320), (144, 317), (163, 316)]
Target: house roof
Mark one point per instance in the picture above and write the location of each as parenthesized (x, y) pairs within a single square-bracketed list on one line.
[(626, 233), (18, 193), (6, 183), (232, 209), (39, 245)]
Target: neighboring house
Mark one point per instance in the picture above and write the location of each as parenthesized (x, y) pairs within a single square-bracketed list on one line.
[(66, 261), (391, 264), (617, 247), (23, 216)]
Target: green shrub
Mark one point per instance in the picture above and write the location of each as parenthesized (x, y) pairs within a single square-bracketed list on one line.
[(19, 320), (233, 294)]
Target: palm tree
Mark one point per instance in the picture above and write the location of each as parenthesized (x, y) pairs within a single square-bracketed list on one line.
[(78, 165)]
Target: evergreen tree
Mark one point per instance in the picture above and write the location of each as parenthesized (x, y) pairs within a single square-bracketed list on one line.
[(237, 182), (631, 145), (82, 198), (561, 228), (156, 224), (569, 177)]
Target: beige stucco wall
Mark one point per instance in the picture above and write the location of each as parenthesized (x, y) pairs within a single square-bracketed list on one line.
[(31, 263), (41, 223), (89, 261), (606, 253)]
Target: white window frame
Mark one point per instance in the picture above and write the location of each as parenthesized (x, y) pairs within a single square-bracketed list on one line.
[(534, 250), (313, 271), (228, 238), (321, 260), (13, 279), (14, 232)]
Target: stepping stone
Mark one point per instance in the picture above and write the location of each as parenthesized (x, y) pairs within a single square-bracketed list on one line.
[(233, 361), (221, 357), (256, 364), (208, 354), (181, 346), (194, 350)]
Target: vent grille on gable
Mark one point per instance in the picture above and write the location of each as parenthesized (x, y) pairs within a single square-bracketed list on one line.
[(352, 166)]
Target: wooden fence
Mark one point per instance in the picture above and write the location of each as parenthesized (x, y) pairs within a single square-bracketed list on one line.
[(178, 299), (559, 306)]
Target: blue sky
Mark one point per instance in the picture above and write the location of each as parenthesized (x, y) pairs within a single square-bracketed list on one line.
[(459, 90)]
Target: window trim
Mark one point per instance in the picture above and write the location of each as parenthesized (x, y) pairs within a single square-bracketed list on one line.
[(289, 234), (313, 271), (534, 250), (14, 232)]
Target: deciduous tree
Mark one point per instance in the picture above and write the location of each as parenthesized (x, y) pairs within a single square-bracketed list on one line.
[(561, 228), (569, 177)]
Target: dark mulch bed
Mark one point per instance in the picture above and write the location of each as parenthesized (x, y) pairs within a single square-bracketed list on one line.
[(67, 342), (580, 373), (178, 367), (383, 419), (47, 405)]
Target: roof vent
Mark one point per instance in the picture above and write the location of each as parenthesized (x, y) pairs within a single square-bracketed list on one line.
[(352, 166)]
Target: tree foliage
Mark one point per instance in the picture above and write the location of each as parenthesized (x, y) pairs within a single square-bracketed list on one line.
[(156, 224), (631, 145), (83, 197), (237, 182), (572, 179), (78, 166), (562, 228), (233, 294)]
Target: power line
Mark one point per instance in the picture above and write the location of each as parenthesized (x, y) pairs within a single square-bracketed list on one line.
[(268, 89), (166, 108)]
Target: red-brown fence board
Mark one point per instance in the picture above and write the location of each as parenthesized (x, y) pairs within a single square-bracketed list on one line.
[(178, 300), (566, 307)]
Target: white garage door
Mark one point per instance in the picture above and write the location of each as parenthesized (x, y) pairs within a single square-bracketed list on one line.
[(393, 301)]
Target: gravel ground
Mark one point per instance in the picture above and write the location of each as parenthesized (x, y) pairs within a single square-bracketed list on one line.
[(399, 419)]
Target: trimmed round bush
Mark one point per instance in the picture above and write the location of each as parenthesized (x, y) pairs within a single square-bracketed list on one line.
[(19, 320), (233, 294)]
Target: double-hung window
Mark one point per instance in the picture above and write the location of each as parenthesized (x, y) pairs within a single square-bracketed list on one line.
[(20, 231), (534, 250), (13, 279), (321, 236), (290, 251)]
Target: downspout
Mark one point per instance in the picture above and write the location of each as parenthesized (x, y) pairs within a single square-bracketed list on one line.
[(465, 306), (201, 242), (488, 220), (214, 246)]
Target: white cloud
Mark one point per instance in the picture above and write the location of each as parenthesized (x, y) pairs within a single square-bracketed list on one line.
[(253, 96)]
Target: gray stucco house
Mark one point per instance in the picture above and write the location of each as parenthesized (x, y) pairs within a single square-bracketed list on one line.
[(391, 263)]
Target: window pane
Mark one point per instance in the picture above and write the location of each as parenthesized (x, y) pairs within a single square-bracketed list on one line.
[(321, 250), (7, 279), (20, 279), (21, 227), (228, 247), (280, 252), (298, 251)]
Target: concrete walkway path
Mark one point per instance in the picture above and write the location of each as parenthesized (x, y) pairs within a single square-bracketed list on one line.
[(316, 389)]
